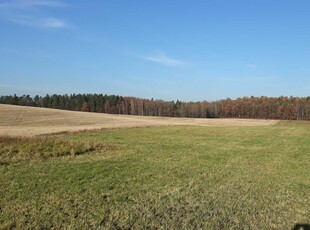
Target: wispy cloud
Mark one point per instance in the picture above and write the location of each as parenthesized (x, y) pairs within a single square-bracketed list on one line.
[(163, 59), (22, 89), (23, 4), (14, 87), (32, 13), (53, 23), (39, 22), (47, 3), (250, 66), (250, 79)]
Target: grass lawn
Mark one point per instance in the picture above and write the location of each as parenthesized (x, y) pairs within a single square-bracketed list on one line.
[(163, 177)]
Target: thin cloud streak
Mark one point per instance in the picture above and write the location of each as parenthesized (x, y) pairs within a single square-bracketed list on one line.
[(39, 22), (250, 79), (11, 86), (47, 3), (24, 4), (250, 66), (164, 60), (54, 23), (22, 12)]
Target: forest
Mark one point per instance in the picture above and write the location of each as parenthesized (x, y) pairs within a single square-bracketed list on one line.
[(283, 108)]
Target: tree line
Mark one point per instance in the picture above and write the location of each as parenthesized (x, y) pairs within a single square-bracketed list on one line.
[(285, 108)]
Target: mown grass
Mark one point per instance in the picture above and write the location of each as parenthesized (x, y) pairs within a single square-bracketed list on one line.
[(166, 177)]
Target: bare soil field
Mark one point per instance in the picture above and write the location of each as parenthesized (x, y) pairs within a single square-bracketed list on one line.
[(32, 121)]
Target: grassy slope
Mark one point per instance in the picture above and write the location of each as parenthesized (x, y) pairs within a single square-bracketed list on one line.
[(174, 177)]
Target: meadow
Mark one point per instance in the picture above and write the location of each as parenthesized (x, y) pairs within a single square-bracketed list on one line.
[(174, 177)]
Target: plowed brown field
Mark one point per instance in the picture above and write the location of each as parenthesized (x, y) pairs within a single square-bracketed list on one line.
[(31, 121)]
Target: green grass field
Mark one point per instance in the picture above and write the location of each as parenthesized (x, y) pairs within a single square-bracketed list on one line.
[(163, 177)]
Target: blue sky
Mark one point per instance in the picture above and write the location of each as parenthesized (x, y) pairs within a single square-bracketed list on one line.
[(163, 49)]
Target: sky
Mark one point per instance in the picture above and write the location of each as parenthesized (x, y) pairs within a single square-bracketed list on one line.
[(191, 50)]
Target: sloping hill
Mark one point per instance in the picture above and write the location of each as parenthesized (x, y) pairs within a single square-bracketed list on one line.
[(30, 121)]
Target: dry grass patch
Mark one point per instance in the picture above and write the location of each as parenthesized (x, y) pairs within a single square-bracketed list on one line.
[(32, 121)]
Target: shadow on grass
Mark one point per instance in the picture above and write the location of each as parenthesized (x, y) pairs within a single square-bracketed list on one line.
[(301, 227), (14, 149)]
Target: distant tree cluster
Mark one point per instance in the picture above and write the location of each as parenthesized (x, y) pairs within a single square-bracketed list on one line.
[(285, 108), (77, 102)]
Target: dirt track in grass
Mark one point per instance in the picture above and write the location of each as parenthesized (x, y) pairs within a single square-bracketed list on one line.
[(31, 121)]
